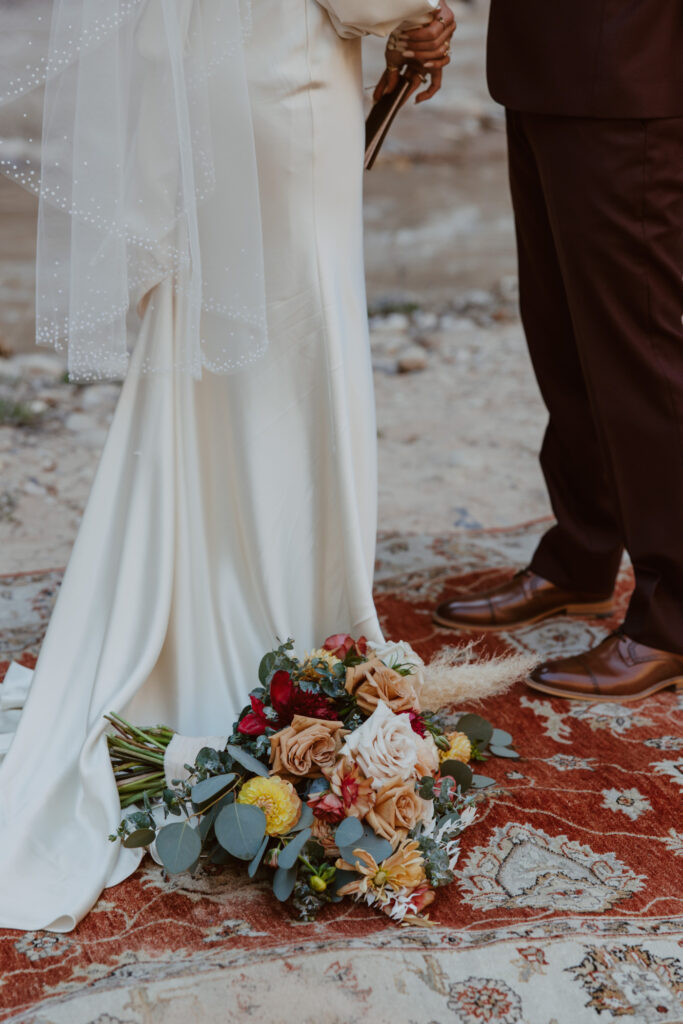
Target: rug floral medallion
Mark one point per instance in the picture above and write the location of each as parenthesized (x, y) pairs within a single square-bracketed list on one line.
[(568, 905)]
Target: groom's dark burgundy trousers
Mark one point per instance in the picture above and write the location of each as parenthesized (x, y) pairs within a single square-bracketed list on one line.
[(598, 203)]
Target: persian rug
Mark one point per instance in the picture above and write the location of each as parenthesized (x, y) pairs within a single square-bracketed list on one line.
[(567, 908)]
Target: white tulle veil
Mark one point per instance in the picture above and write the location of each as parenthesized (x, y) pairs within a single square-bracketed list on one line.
[(147, 171)]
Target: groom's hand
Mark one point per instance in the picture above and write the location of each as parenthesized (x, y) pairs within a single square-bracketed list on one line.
[(424, 52)]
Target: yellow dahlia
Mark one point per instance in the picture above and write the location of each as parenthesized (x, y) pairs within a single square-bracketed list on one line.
[(322, 655), (460, 748), (277, 799)]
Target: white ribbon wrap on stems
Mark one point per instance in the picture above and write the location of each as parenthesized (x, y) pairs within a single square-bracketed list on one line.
[(183, 750)]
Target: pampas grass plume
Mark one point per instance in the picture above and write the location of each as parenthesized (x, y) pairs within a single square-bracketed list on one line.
[(456, 674)]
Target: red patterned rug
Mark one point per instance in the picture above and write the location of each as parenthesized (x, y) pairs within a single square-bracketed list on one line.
[(569, 895)]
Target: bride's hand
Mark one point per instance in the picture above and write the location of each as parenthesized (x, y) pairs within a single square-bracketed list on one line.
[(423, 51)]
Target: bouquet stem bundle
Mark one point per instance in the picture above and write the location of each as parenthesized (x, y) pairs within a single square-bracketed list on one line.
[(137, 757)]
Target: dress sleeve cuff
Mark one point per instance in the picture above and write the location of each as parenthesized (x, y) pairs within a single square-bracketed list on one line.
[(361, 18)]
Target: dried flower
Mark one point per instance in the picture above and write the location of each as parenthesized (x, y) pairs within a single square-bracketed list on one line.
[(323, 833)]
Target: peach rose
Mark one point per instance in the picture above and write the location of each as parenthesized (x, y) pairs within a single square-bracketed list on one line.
[(427, 757), (373, 681), (307, 747), (398, 808)]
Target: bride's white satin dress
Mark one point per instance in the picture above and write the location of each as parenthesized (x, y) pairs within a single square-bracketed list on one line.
[(225, 513)]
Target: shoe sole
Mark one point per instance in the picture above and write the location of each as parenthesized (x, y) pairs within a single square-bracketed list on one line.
[(602, 610), (602, 698)]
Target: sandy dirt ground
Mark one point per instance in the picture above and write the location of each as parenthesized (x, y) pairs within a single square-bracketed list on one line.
[(459, 416)]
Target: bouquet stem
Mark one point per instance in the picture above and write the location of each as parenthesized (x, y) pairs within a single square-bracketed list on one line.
[(137, 757)]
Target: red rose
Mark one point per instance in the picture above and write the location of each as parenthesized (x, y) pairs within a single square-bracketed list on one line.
[(254, 723), (327, 806), (342, 644)]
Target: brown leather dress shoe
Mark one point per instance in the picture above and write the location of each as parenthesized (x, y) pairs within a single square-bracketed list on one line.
[(524, 599), (617, 669)]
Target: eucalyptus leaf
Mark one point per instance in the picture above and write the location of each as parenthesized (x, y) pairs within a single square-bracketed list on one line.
[(306, 819), (254, 864), (287, 858), (178, 845), (247, 760), (458, 771), (207, 820), (284, 881), (220, 856), (141, 837), (476, 728), (240, 829), (378, 848), (208, 760), (503, 752), (206, 790), (348, 832), (482, 782), (340, 879), (500, 738), (266, 667)]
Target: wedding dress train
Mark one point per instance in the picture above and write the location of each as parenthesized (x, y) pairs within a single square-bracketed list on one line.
[(225, 513)]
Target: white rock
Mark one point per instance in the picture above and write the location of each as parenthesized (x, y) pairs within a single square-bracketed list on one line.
[(34, 487), (97, 395), (456, 323), (508, 287), (9, 371), (81, 423), (40, 364), (384, 364), (412, 360), (392, 322), (425, 321), (386, 344), (477, 298)]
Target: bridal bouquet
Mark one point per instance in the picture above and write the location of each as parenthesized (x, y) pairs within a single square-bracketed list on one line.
[(335, 781)]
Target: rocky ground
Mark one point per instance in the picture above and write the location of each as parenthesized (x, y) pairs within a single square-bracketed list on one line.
[(459, 417)]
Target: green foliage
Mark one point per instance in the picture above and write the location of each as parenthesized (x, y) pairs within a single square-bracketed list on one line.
[(435, 862), (179, 846), (240, 829)]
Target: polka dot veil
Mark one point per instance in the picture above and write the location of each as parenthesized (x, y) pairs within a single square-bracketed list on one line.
[(146, 172)]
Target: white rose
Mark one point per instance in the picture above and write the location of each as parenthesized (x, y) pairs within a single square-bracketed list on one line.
[(384, 747), (427, 756), (400, 653)]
